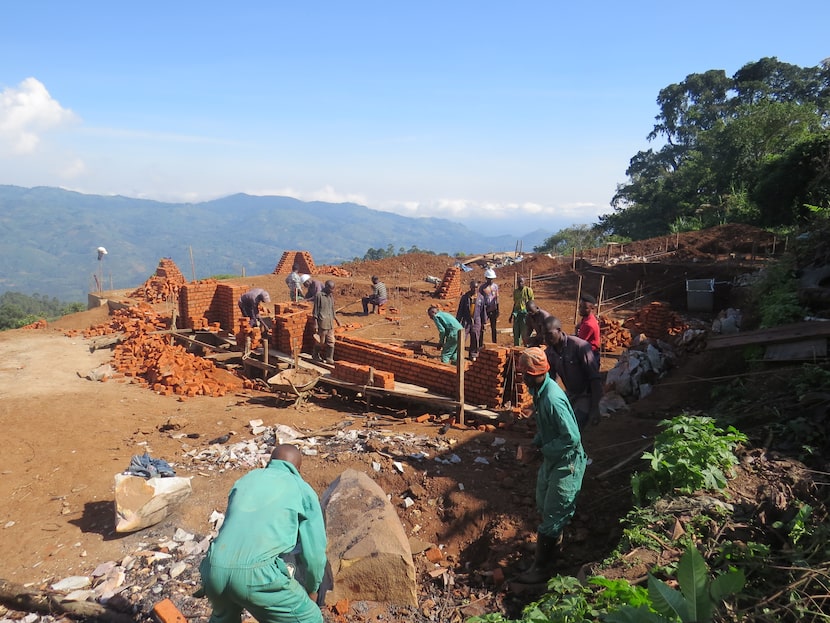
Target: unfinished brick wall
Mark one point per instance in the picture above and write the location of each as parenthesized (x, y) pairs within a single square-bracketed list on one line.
[(203, 303), (293, 327), (450, 285), (359, 375), (656, 320), (303, 260), (484, 379)]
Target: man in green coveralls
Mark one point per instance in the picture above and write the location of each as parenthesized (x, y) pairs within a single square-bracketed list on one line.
[(448, 328), (559, 479), (272, 514)]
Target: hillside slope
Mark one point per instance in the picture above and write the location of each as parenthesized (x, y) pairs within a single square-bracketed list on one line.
[(49, 236)]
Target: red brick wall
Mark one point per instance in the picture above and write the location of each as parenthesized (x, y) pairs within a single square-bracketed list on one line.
[(302, 259), (293, 328), (451, 284), (206, 302), (359, 375)]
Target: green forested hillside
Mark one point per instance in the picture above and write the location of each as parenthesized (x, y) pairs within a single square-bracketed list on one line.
[(751, 148), (49, 237)]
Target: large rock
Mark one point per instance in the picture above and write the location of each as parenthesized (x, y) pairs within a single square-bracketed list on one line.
[(142, 502), (368, 550)]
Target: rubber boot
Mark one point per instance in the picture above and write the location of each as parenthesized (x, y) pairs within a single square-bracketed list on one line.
[(547, 549), (315, 352), (330, 354)]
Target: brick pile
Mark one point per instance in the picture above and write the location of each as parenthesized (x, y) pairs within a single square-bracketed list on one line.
[(151, 360), (37, 324), (450, 286), (245, 332), (613, 335), (162, 286), (656, 320), (336, 271), (359, 375), (303, 260)]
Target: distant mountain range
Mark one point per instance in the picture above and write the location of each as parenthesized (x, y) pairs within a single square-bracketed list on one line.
[(49, 237)]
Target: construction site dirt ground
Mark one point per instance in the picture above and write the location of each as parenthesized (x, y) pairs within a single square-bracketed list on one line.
[(65, 437)]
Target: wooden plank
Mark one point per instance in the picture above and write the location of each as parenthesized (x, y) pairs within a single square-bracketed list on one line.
[(804, 350), (785, 333)]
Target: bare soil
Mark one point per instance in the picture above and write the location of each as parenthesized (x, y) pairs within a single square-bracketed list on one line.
[(67, 436)]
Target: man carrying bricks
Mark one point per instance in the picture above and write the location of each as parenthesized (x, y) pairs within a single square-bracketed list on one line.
[(448, 328), (325, 318), (270, 555), (249, 305), (559, 478)]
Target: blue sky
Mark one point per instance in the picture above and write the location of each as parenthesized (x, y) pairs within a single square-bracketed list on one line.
[(506, 116)]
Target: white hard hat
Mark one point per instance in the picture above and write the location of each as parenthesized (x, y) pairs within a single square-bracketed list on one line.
[(489, 274), (305, 278)]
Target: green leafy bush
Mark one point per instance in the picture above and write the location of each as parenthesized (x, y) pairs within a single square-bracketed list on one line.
[(691, 453)]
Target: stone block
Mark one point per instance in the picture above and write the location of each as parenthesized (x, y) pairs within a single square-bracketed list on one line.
[(368, 550)]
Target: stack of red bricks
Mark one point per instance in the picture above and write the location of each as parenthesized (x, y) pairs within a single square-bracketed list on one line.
[(293, 327), (302, 259), (485, 378), (164, 285), (246, 332), (656, 320), (37, 324), (359, 375), (333, 270), (613, 334), (204, 303), (151, 359), (450, 286)]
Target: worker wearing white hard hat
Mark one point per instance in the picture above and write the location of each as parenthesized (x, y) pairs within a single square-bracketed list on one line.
[(490, 291), (313, 286)]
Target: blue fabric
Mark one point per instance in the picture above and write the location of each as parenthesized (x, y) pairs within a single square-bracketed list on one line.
[(148, 467)]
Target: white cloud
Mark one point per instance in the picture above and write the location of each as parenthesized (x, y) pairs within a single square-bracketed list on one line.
[(26, 113), (73, 169)]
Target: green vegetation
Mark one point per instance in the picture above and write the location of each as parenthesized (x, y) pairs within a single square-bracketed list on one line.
[(753, 148), (18, 310), (575, 236), (389, 251), (691, 453)]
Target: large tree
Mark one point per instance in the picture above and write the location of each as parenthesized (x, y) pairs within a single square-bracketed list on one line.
[(721, 137)]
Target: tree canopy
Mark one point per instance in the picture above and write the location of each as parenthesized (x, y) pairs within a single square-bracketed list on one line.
[(18, 310), (753, 148)]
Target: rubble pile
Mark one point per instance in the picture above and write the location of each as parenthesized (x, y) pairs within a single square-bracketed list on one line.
[(336, 271), (613, 334), (163, 285), (147, 357), (37, 324), (646, 361)]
